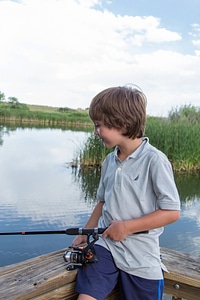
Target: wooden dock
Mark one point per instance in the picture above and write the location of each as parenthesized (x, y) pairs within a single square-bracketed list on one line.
[(46, 277)]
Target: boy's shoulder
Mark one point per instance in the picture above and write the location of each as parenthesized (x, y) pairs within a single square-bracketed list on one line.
[(145, 151), (151, 152)]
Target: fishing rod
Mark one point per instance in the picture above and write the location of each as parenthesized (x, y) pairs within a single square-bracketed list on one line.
[(68, 231), (74, 256)]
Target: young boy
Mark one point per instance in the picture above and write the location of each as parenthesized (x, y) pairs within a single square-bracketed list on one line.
[(136, 193)]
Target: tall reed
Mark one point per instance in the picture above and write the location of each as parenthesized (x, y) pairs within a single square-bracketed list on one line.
[(180, 141), (93, 153)]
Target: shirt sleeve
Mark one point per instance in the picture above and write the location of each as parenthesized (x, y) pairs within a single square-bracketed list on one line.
[(164, 184)]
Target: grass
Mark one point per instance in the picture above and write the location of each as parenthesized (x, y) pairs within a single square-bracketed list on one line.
[(179, 140), (38, 114), (92, 154), (33, 107), (177, 135)]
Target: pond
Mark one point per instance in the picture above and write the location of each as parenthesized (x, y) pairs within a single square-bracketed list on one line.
[(39, 190)]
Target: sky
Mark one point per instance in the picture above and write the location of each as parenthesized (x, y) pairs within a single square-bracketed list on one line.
[(62, 53)]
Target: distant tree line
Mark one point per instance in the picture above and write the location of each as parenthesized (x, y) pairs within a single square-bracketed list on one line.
[(185, 113), (12, 110), (13, 102)]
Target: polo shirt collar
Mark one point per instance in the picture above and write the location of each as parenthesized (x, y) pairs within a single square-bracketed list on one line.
[(135, 153)]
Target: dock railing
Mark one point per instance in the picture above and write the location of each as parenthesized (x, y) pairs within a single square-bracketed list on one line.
[(46, 277)]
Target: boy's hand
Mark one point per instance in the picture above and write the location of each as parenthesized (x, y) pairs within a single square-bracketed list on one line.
[(116, 231), (79, 239)]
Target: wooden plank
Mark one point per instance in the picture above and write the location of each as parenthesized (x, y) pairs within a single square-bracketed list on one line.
[(46, 277), (183, 279), (184, 292), (67, 293), (34, 277), (182, 267)]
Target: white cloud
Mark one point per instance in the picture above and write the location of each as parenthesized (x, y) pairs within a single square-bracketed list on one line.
[(62, 53), (196, 43), (197, 52), (191, 210)]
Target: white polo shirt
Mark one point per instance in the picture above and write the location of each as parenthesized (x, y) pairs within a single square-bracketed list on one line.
[(139, 185)]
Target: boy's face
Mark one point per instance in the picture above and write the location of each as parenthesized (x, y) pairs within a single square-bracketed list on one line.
[(109, 136)]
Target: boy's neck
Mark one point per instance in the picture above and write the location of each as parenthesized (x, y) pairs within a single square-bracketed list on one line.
[(128, 147)]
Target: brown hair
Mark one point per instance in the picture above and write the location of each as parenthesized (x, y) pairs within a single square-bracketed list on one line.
[(121, 107)]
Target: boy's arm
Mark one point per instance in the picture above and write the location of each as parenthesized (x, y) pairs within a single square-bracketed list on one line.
[(118, 230), (96, 214)]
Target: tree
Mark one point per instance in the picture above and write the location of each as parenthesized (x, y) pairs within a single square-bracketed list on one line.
[(2, 97), (185, 113), (13, 101)]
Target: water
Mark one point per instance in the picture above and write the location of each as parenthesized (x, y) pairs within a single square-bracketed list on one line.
[(184, 235), (40, 191)]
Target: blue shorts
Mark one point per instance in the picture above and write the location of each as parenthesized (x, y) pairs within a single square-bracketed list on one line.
[(99, 279)]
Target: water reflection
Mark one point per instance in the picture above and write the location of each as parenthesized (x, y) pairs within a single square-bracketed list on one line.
[(188, 186), (184, 235), (88, 180), (3, 131), (40, 191), (189, 191), (34, 178), (37, 190)]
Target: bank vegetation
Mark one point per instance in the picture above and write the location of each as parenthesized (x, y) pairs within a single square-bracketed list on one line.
[(177, 135), (13, 111)]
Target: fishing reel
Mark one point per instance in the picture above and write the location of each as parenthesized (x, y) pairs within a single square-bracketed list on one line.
[(77, 257)]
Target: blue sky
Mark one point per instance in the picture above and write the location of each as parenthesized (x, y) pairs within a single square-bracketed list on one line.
[(63, 52), (178, 15)]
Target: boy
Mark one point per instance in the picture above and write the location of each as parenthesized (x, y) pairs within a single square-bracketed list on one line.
[(136, 193)]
